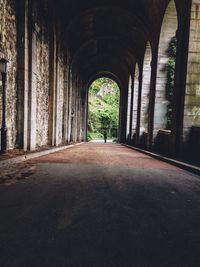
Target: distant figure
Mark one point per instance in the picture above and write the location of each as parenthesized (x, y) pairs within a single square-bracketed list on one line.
[(105, 136)]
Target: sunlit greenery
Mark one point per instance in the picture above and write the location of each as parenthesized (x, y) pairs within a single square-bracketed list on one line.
[(103, 109), (170, 79)]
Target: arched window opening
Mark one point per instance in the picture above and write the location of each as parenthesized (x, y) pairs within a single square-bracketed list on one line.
[(145, 96), (165, 77), (135, 104), (103, 109)]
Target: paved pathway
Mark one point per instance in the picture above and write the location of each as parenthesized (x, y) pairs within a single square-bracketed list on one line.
[(101, 141), (100, 205)]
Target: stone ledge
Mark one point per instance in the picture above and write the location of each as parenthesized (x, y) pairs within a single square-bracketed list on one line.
[(177, 163)]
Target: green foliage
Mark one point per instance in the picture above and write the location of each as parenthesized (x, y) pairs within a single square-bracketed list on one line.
[(97, 85), (170, 79), (103, 109), (172, 47)]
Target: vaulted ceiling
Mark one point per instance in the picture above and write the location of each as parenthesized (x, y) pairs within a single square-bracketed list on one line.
[(109, 35)]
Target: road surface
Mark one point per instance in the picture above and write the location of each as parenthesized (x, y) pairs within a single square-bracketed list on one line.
[(100, 205)]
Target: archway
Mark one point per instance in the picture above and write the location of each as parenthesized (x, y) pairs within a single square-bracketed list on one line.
[(145, 96), (103, 109), (165, 78)]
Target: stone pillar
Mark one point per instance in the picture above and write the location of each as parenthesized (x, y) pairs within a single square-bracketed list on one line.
[(32, 82), (69, 105), (191, 121), (84, 103), (123, 113), (23, 74), (65, 107), (73, 109), (139, 109), (192, 96), (56, 130), (59, 97), (75, 105), (180, 79), (79, 112), (129, 108), (152, 102), (135, 104), (74, 92), (78, 115), (52, 86)]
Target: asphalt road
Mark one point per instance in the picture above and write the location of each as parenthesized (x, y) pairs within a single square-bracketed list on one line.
[(100, 205)]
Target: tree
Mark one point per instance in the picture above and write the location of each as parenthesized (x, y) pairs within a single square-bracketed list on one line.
[(103, 110)]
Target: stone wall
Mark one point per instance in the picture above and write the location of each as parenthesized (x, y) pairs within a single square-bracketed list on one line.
[(8, 45), (48, 98), (40, 77), (191, 121), (192, 98)]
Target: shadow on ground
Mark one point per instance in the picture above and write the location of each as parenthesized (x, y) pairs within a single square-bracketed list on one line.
[(101, 215)]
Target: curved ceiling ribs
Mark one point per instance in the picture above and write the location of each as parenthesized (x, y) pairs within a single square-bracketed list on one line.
[(109, 36)]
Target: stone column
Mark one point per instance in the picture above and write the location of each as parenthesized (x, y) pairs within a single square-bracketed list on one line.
[(57, 88), (137, 141), (77, 109), (65, 107), (135, 105), (84, 103), (52, 85), (69, 104), (192, 96), (182, 64), (23, 74), (123, 113), (129, 107), (32, 82), (152, 95), (75, 127), (131, 110)]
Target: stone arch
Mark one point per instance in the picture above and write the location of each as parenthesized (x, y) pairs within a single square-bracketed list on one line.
[(135, 103), (100, 117), (168, 31), (103, 74), (146, 81)]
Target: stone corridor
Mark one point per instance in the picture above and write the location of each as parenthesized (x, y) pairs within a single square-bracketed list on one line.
[(100, 205), (51, 52)]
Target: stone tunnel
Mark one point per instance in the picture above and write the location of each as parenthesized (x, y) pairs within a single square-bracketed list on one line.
[(55, 51), (68, 202)]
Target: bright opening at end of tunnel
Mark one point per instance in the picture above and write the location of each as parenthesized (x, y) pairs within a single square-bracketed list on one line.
[(103, 110)]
